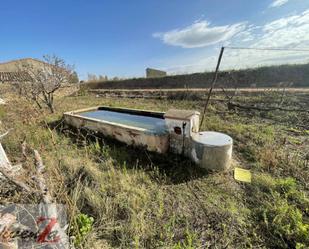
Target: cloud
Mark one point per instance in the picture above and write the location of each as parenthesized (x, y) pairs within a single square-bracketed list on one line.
[(291, 32), (278, 3), (287, 32), (200, 34)]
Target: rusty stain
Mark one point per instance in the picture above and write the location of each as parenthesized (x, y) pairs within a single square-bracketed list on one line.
[(133, 134), (117, 133)]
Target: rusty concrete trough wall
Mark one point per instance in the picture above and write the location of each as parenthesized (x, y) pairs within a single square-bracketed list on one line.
[(130, 135)]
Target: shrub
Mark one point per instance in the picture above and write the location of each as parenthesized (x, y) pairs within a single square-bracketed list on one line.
[(84, 225)]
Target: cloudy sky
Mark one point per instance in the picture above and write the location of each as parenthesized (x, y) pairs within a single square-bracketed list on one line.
[(122, 38)]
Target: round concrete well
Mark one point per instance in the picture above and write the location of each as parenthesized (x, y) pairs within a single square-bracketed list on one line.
[(212, 150)]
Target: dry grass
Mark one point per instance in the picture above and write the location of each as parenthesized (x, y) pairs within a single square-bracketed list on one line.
[(142, 200)]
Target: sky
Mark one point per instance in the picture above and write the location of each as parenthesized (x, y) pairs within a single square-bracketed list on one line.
[(122, 38)]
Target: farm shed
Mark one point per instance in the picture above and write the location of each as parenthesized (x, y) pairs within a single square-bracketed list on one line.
[(9, 77)]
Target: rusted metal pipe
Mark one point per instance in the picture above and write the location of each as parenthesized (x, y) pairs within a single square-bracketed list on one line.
[(212, 84)]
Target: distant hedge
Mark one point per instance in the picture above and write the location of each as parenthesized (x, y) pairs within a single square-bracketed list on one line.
[(273, 76)]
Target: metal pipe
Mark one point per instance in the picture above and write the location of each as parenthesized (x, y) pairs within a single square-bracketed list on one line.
[(184, 124), (212, 84)]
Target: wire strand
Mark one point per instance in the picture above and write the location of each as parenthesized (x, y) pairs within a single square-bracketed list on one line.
[(269, 49)]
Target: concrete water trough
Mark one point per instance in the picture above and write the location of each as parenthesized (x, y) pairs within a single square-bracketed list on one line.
[(133, 127), (175, 131)]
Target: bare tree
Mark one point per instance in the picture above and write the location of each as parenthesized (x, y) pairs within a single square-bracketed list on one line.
[(92, 77), (47, 78), (103, 78)]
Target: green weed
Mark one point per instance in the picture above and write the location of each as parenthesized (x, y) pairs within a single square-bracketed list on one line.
[(84, 225)]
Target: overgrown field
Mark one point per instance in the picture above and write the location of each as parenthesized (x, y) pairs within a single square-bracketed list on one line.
[(122, 197)]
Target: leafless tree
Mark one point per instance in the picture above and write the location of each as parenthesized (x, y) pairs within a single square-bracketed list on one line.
[(92, 77), (47, 78)]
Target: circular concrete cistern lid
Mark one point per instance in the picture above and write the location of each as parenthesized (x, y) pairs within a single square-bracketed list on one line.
[(212, 138)]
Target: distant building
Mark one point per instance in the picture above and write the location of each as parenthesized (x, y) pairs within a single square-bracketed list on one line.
[(154, 73), (12, 77), (18, 70), (11, 71), (15, 65)]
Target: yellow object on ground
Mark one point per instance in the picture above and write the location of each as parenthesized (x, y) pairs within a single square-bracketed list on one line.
[(242, 175)]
